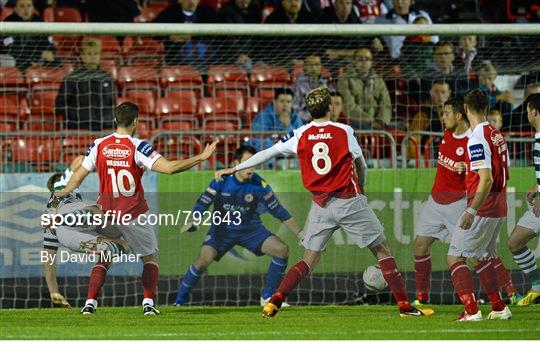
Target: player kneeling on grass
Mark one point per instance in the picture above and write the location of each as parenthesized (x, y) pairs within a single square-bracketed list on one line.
[(248, 196), (480, 223), (334, 170), (528, 226), (447, 201), (82, 238)]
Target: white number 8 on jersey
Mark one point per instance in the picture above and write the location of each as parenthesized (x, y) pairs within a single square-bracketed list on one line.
[(320, 152)]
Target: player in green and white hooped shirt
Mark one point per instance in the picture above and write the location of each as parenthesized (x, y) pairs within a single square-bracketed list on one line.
[(528, 226)]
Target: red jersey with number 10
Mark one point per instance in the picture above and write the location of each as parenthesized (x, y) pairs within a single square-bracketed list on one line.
[(487, 149), (120, 161), (326, 152), (449, 185)]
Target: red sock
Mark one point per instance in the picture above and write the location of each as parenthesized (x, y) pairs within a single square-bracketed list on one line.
[(97, 279), (150, 277), (488, 279), (503, 277), (395, 281), (422, 272), (298, 272), (463, 283)]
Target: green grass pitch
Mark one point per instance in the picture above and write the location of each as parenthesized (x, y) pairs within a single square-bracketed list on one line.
[(305, 322)]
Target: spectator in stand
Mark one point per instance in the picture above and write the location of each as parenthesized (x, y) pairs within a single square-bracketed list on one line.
[(366, 98), (495, 118), (369, 10), (241, 12), (467, 53), (181, 49), (341, 12), (442, 68), (291, 12), (277, 116), (28, 50), (517, 121), (429, 116), (87, 96), (500, 100), (416, 53), (117, 11), (310, 79), (402, 13), (337, 108)]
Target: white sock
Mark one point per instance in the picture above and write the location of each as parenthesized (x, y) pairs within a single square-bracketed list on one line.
[(91, 301), (148, 301)]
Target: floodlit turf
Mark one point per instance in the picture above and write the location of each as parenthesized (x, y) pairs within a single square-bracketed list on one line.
[(314, 322)]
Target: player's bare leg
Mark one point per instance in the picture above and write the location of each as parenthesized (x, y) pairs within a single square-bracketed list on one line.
[(395, 281), (206, 256), (297, 272), (523, 256), (422, 267), (149, 279), (278, 250)]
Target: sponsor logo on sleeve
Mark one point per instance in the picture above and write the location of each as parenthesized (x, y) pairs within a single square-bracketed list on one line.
[(477, 152), (90, 149), (287, 137), (145, 148)]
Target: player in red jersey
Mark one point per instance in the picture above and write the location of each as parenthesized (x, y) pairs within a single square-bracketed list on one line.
[(120, 161), (333, 170), (448, 195), (446, 203), (480, 224)]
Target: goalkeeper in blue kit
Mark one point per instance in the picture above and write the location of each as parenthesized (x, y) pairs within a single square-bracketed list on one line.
[(238, 201)]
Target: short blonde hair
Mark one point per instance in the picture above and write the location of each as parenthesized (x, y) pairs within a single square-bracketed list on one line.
[(318, 102)]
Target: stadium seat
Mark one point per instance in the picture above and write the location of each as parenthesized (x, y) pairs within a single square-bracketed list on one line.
[(177, 146), (42, 106), (253, 107), (221, 106), (227, 77), (11, 80), (110, 66), (181, 77), (145, 100), (76, 144), (268, 77), (36, 150), (67, 47), (144, 130), (136, 77), (45, 78), (148, 14), (178, 125), (222, 124), (143, 51), (62, 15), (13, 108), (176, 109), (5, 12)]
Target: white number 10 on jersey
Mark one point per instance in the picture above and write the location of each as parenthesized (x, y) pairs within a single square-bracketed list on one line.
[(320, 152), (117, 182)]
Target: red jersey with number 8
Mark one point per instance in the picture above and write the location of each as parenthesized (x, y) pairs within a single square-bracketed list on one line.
[(120, 161), (326, 152)]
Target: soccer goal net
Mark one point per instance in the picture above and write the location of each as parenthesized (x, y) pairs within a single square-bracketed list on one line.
[(59, 84)]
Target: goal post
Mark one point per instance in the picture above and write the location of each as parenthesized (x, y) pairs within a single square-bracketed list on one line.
[(195, 82)]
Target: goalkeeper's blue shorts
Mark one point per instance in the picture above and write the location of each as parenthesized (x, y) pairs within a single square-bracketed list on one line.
[(222, 240)]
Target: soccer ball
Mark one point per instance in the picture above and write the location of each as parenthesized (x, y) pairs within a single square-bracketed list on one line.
[(373, 279)]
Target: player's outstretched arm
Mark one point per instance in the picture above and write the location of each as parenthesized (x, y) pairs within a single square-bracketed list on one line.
[(256, 159), (74, 182), (163, 165), (49, 269)]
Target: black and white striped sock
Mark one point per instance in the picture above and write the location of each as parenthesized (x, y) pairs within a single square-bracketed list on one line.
[(527, 262)]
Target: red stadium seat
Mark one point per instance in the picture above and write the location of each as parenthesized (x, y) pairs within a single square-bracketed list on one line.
[(45, 78), (36, 149), (13, 108), (177, 109), (221, 106), (7, 127), (42, 105), (74, 145), (42, 126), (253, 107), (148, 14), (181, 77), (144, 130), (5, 12), (178, 126), (227, 77), (145, 100), (140, 47), (222, 124), (62, 15), (110, 66), (135, 77), (174, 146), (11, 80), (268, 77), (67, 47)]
